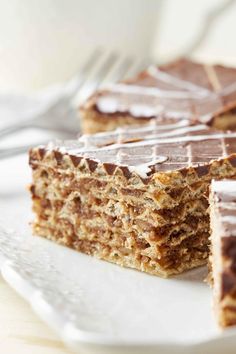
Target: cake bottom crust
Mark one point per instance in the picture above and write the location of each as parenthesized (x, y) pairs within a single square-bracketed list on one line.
[(94, 122), (117, 256), (225, 121)]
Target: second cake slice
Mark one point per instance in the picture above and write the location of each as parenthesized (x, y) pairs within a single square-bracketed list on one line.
[(223, 259)]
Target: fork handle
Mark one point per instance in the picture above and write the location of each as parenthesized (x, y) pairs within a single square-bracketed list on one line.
[(13, 151), (5, 153), (13, 128)]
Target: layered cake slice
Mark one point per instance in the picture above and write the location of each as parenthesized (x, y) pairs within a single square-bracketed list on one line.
[(223, 258), (180, 90), (133, 197)]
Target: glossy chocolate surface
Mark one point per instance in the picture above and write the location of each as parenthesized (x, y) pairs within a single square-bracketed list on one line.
[(180, 90), (145, 150)]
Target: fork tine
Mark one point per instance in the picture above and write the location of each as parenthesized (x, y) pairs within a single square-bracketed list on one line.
[(78, 81), (106, 67), (92, 59), (118, 72), (98, 76), (138, 66), (145, 63)]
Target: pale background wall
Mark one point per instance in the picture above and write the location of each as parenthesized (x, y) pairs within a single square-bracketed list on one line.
[(181, 20), (45, 41), (42, 41)]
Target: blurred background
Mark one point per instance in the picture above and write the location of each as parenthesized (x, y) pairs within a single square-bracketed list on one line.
[(46, 41), (44, 45)]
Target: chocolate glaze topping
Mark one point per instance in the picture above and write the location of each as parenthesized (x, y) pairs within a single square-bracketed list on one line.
[(145, 150)]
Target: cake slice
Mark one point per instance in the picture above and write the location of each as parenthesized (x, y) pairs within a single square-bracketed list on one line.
[(133, 197), (180, 90), (223, 259)]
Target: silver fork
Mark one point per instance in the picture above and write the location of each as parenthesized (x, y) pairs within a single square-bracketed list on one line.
[(59, 113)]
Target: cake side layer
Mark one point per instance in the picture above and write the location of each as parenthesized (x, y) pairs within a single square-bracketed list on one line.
[(68, 215), (223, 240)]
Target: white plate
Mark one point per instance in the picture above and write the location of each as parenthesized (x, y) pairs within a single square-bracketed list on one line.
[(96, 306)]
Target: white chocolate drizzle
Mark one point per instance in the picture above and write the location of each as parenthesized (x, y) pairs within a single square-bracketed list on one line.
[(154, 91), (141, 148), (170, 79)]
